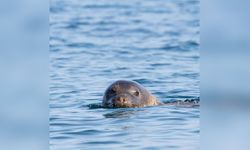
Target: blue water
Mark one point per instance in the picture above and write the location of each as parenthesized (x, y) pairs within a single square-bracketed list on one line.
[(94, 43)]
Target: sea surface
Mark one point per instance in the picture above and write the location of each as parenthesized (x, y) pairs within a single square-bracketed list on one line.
[(96, 42)]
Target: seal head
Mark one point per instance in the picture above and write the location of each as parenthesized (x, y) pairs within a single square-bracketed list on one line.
[(124, 93)]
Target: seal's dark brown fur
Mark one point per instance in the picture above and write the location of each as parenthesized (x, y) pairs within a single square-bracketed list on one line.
[(124, 93)]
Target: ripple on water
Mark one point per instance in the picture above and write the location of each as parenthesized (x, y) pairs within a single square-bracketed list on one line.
[(93, 43)]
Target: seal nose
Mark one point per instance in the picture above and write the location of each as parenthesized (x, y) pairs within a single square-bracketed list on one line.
[(120, 100)]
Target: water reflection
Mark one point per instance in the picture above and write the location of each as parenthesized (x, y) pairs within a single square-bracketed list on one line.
[(124, 112)]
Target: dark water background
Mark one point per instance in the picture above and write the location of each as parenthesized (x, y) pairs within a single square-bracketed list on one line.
[(95, 42)]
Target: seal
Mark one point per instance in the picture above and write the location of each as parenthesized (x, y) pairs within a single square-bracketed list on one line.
[(124, 93)]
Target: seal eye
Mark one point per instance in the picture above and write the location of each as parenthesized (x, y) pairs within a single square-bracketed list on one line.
[(136, 93)]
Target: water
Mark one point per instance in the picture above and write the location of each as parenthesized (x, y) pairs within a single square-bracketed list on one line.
[(94, 43)]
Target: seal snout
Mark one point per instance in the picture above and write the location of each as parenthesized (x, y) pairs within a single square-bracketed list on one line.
[(120, 99)]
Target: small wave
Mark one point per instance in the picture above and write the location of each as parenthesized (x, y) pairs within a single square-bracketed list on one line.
[(102, 142), (85, 45), (160, 64), (143, 81), (183, 46), (106, 6), (84, 132), (187, 102), (186, 75), (123, 113), (95, 106)]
